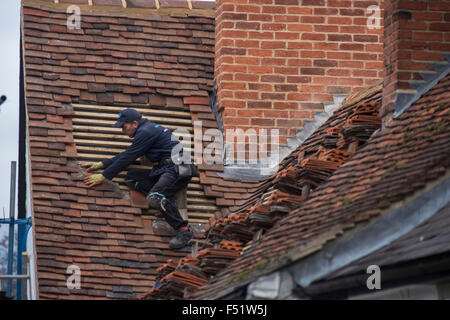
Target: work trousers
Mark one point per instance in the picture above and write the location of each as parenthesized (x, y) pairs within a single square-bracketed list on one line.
[(166, 184)]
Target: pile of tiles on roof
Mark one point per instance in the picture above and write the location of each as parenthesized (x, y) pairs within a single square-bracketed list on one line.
[(231, 235), (176, 279)]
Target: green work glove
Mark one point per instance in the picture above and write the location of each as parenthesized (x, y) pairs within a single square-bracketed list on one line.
[(95, 166), (94, 179)]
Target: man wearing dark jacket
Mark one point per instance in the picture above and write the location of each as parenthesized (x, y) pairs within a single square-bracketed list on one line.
[(161, 182)]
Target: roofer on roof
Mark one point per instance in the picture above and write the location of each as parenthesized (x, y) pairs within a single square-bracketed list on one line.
[(160, 183)]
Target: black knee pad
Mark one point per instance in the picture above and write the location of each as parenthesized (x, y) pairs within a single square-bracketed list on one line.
[(156, 201), (130, 181), (132, 184)]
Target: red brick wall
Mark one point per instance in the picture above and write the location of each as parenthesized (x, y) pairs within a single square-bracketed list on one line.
[(416, 33), (277, 61)]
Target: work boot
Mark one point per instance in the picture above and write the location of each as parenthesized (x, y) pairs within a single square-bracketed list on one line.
[(182, 238)]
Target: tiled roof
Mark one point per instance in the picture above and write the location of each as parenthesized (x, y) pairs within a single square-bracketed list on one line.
[(396, 162), (76, 80), (163, 61), (309, 165)]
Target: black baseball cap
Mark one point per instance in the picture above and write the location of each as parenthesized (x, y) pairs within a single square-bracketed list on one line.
[(127, 115)]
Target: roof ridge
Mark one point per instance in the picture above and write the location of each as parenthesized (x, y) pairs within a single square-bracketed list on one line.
[(352, 98), (159, 7)]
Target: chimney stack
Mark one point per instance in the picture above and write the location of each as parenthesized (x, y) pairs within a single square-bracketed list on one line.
[(416, 47)]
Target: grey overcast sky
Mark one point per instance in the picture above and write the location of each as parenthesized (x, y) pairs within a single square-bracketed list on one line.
[(9, 86)]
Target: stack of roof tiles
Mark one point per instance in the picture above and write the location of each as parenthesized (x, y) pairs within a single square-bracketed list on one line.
[(311, 164), (177, 281), (176, 278)]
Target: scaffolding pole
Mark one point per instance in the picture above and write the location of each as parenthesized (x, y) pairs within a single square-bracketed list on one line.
[(22, 257), (12, 204)]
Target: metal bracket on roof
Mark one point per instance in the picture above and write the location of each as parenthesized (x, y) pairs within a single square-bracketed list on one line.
[(404, 100)]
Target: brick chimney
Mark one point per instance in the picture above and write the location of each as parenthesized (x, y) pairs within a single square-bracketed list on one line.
[(416, 45), (278, 62)]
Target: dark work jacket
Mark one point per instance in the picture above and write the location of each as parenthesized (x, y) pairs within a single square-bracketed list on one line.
[(152, 140)]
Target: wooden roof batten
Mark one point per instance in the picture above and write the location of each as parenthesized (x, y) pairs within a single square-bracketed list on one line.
[(97, 140)]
